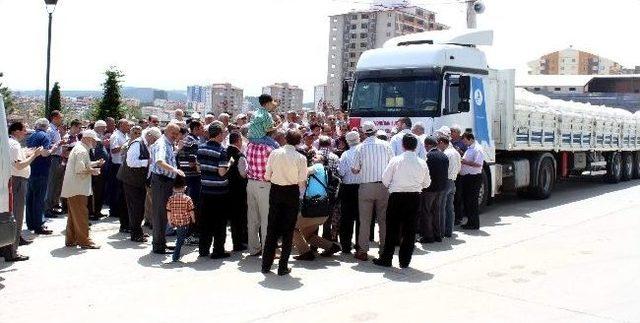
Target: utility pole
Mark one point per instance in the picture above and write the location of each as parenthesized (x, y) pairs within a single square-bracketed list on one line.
[(471, 14)]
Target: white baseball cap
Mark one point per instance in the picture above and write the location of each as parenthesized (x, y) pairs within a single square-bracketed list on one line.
[(100, 123), (368, 127), (90, 134)]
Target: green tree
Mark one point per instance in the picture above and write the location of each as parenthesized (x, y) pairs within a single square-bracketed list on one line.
[(8, 98), (55, 100), (111, 103)]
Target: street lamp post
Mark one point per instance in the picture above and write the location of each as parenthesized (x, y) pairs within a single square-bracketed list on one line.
[(51, 7)]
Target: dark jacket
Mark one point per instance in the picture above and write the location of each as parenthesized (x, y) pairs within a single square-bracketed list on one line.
[(237, 184), (134, 176), (438, 164)]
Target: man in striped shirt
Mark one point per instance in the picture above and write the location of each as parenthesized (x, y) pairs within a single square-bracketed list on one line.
[(214, 193), (370, 160)]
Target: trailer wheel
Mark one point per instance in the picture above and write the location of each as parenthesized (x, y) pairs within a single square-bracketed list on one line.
[(483, 196), (636, 164), (627, 166), (614, 168), (545, 179)]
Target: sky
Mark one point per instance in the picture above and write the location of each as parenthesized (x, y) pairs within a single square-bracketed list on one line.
[(252, 43)]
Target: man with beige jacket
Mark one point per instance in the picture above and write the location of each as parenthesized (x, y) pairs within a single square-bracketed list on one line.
[(76, 187)]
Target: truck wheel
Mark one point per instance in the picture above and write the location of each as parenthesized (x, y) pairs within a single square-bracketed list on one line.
[(627, 166), (483, 196), (614, 168), (636, 164), (546, 180)]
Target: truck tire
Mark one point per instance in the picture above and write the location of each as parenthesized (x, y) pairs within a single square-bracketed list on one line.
[(545, 179), (614, 168), (627, 166), (636, 164), (483, 197)]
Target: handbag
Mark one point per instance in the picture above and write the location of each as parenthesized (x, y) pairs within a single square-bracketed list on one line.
[(315, 206), (8, 229)]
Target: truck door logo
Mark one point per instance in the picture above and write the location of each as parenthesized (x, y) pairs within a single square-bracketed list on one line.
[(477, 97)]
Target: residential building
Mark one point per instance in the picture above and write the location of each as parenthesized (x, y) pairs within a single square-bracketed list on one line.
[(288, 96), (352, 33), (319, 96), (572, 61), (223, 97)]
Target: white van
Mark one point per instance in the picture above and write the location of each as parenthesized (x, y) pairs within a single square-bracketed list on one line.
[(7, 222)]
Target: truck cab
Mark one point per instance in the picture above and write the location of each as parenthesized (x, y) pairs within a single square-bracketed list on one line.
[(436, 78)]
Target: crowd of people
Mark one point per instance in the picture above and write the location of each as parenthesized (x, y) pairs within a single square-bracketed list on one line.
[(305, 181)]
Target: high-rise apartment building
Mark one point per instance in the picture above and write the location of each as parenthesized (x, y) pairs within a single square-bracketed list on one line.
[(289, 96), (223, 97), (353, 33), (571, 61)]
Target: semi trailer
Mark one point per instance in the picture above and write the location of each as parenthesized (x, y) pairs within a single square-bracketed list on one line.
[(530, 142)]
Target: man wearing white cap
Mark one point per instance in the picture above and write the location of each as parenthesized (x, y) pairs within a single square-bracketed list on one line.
[(349, 213), (370, 160), (76, 187), (98, 182)]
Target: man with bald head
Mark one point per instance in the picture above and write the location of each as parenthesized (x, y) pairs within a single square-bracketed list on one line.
[(117, 206), (163, 169)]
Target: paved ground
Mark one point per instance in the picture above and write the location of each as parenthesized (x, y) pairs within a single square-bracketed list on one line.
[(572, 258)]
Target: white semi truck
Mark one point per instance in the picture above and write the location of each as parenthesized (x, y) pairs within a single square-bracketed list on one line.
[(442, 78)]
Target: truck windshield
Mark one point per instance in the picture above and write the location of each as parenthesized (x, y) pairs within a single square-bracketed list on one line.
[(410, 96)]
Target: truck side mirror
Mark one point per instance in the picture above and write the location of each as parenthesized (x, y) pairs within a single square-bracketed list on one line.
[(464, 88), (464, 106)]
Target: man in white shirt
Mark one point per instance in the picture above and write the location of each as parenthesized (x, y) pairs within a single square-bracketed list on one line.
[(348, 193), (404, 127), (117, 205), (471, 177), (405, 176), (370, 161), (448, 214), (20, 170)]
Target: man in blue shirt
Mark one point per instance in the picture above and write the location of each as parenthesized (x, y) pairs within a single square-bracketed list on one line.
[(37, 187), (214, 193)]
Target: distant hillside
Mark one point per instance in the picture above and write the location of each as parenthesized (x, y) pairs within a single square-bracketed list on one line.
[(139, 93)]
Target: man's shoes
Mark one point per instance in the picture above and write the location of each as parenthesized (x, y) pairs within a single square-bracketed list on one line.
[(24, 242), (49, 215), (283, 272), (438, 239), (257, 254), (425, 240), (70, 245), (139, 239), (379, 262), (43, 231), (95, 218), (331, 251), (404, 265), (220, 255), (202, 255), (16, 258), (307, 256), (90, 246), (266, 271), (447, 236), (361, 255), (469, 227), (162, 252)]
